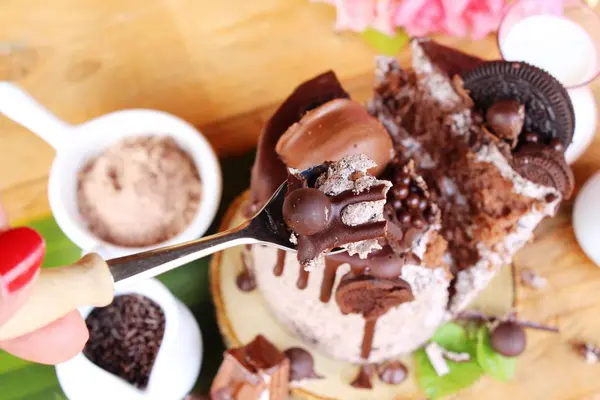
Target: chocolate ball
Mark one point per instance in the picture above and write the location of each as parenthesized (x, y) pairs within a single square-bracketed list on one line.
[(417, 221), (423, 204), (404, 218), (505, 118), (557, 145), (400, 191), (307, 211), (402, 179), (531, 137), (412, 201), (509, 339)]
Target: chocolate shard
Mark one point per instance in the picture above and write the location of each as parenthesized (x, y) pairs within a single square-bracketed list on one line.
[(369, 296), (449, 60), (336, 129), (250, 371), (269, 171)]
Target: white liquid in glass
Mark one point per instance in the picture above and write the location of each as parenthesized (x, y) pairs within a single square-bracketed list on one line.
[(555, 44)]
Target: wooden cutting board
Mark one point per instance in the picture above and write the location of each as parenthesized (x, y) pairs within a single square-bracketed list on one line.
[(224, 66)]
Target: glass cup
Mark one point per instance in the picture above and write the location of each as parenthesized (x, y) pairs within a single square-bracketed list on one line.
[(565, 41)]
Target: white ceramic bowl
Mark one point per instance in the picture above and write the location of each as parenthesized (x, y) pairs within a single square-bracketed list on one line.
[(586, 218), (76, 144), (175, 369)]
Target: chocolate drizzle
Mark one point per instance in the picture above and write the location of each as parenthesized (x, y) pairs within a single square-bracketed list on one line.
[(245, 280), (368, 335), (363, 377), (337, 233), (302, 281), (280, 263)]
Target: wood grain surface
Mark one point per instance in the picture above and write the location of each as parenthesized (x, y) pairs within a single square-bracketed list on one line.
[(223, 66)]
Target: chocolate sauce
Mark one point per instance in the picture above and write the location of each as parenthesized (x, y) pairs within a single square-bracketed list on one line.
[(369, 333), (280, 264), (363, 378), (302, 281)]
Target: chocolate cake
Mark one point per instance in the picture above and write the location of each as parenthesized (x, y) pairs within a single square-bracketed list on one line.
[(468, 157)]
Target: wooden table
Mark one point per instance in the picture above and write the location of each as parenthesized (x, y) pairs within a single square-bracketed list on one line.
[(224, 66)]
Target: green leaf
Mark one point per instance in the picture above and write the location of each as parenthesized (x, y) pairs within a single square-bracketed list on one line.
[(452, 337), (493, 363), (388, 45)]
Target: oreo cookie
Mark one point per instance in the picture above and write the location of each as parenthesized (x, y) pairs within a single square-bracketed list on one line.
[(548, 108), (544, 166)]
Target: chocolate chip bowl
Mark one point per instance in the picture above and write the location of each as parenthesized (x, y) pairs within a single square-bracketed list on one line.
[(430, 190)]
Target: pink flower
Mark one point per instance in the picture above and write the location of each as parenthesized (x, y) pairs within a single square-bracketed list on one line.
[(422, 17)]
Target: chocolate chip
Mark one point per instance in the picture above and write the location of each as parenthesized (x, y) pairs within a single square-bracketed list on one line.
[(307, 211), (531, 137), (505, 118), (412, 201), (509, 339), (400, 191)]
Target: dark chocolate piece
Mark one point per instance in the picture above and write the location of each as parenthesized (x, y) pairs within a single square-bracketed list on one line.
[(363, 377), (302, 364), (369, 296), (241, 376), (505, 118), (447, 59), (542, 165), (548, 108), (392, 372), (307, 211), (336, 129), (125, 337), (269, 172), (509, 339), (337, 233)]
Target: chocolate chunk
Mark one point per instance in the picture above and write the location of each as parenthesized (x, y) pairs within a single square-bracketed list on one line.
[(369, 296), (544, 166), (337, 233), (334, 130), (393, 372), (548, 108), (269, 172), (447, 59), (248, 371), (509, 339), (125, 337), (302, 364), (307, 211), (245, 281), (363, 377), (506, 118)]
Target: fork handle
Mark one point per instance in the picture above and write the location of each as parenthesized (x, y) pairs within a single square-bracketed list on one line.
[(58, 291)]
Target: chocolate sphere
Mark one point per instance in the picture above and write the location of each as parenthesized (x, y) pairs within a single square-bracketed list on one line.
[(400, 191), (532, 137), (413, 201), (509, 339), (307, 211), (505, 118)]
